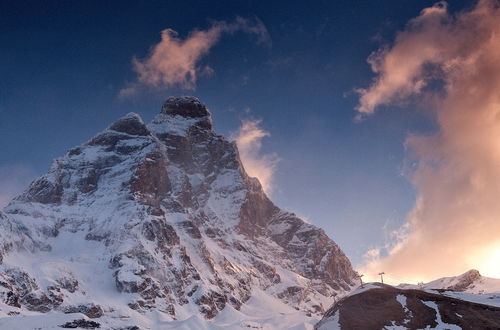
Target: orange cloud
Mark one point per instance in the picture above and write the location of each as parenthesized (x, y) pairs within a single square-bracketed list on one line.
[(455, 223), (174, 62), (248, 138)]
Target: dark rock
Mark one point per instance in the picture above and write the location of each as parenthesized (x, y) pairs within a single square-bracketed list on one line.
[(38, 302), (81, 323), (44, 191), (55, 295), (12, 299), (88, 183), (256, 212), (151, 182), (185, 106), (74, 151), (131, 124), (211, 303), (191, 229), (108, 139), (161, 231), (97, 237), (90, 310), (268, 271)]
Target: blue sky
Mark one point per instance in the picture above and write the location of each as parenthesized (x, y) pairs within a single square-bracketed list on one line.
[(63, 64)]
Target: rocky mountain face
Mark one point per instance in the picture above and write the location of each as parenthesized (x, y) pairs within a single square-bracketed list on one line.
[(159, 221), (380, 306)]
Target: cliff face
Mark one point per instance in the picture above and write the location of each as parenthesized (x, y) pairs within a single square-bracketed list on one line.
[(160, 218)]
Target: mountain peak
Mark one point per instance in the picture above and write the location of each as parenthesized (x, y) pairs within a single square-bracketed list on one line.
[(131, 124), (472, 272), (166, 216), (185, 106)]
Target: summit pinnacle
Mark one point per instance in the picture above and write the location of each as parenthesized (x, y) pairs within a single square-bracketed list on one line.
[(185, 106)]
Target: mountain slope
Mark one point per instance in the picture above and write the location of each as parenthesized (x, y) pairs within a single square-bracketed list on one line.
[(153, 223)]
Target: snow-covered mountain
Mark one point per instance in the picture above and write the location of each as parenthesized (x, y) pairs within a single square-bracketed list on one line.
[(145, 225)]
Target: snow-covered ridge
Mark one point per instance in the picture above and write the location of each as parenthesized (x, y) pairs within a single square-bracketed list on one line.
[(470, 282), (144, 225)]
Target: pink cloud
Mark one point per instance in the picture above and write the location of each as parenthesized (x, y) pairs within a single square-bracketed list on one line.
[(454, 225), (174, 62)]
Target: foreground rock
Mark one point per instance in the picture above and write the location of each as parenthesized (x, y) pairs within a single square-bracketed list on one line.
[(380, 306)]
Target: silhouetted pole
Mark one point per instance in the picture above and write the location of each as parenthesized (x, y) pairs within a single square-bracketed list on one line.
[(360, 278), (381, 277)]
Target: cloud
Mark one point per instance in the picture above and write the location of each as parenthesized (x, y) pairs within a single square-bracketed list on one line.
[(175, 62), (14, 179), (248, 138), (403, 70), (455, 61)]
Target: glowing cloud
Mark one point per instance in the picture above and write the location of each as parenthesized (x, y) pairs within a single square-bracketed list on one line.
[(174, 62), (455, 223), (248, 138)]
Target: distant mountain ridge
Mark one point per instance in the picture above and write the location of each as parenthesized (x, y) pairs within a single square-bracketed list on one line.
[(471, 281), (146, 224)]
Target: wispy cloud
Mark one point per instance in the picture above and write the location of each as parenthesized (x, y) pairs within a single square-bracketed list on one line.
[(175, 62), (404, 69), (14, 179), (454, 224), (248, 138)]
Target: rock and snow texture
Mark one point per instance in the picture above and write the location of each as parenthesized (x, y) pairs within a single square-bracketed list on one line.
[(380, 306), (469, 282), (149, 224)]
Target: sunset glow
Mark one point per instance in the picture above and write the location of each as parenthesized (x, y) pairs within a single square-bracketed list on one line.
[(487, 260), (250, 164), (454, 224)]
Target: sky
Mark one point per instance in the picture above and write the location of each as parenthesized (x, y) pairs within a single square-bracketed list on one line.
[(353, 114)]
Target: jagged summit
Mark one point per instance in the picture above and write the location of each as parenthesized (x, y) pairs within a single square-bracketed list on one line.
[(131, 124), (185, 106), (180, 114), (160, 219)]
